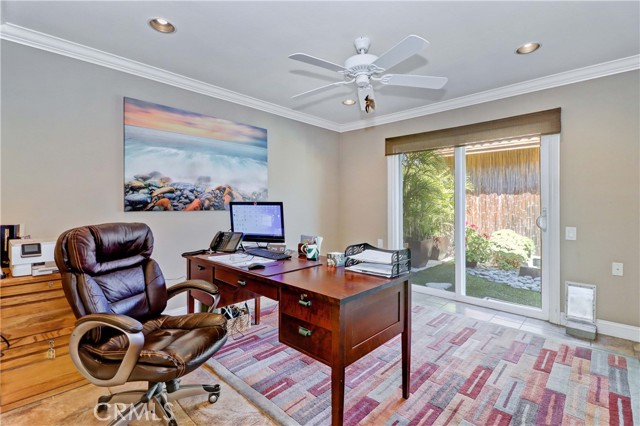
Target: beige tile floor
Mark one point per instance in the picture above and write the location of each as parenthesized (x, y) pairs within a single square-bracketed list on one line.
[(614, 344), (75, 407)]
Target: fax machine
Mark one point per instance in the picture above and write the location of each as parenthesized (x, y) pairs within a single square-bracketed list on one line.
[(31, 257)]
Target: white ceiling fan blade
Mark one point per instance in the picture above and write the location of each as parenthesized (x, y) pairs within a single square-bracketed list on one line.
[(401, 51), (423, 81), (318, 89), (312, 60)]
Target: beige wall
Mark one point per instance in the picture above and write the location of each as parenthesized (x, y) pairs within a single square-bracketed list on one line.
[(599, 181), (61, 166), (62, 156)]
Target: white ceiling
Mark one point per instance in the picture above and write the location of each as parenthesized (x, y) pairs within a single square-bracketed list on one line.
[(238, 50)]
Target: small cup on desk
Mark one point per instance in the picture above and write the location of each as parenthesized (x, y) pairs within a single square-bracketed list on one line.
[(302, 250), (312, 252), (335, 258)]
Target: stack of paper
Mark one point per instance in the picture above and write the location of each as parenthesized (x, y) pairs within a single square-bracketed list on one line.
[(241, 260), (373, 256), (373, 269), (373, 262)]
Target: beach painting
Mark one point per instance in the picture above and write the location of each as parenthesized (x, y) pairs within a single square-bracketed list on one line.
[(176, 160)]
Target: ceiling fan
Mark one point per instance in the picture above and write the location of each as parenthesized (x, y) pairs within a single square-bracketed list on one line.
[(363, 68)]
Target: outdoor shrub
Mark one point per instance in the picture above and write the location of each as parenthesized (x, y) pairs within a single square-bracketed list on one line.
[(477, 245), (510, 249), (505, 260), (427, 195)]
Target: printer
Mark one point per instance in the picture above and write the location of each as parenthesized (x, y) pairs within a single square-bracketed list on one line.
[(31, 257)]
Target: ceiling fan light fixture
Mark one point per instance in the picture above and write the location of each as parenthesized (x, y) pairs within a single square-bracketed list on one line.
[(162, 25), (364, 68), (528, 48), (349, 102)]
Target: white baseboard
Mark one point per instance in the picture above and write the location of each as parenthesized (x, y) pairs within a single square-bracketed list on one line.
[(613, 329)]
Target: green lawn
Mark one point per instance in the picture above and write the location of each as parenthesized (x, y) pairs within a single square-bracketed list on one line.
[(478, 287)]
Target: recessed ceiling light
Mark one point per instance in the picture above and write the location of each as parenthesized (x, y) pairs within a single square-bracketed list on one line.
[(162, 25), (528, 48), (349, 102)]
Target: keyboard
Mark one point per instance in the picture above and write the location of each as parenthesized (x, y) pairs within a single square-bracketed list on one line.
[(267, 254)]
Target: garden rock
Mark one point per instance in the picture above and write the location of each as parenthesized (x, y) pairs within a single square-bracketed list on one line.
[(508, 277)]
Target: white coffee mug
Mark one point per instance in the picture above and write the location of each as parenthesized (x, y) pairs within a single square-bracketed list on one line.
[(335, 258), (312, 252)]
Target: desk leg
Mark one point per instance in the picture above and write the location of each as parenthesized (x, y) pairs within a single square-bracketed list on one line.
[(406, 342), (190, 302), (337, 395), (256, 315)]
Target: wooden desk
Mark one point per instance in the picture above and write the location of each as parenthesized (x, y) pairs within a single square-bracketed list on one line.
[(332, 315), (238, 285)]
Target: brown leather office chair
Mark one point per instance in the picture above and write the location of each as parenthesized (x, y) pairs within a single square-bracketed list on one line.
[(118, 293)]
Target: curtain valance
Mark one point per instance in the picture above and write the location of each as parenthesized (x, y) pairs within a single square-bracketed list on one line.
[(536, 123)]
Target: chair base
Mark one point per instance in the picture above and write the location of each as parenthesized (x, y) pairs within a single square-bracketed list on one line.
[(135, 404)]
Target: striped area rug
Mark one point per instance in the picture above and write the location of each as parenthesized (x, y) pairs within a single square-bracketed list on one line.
[(464, 372)]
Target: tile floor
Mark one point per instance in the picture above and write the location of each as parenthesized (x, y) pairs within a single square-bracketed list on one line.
[(532, 325), (70, 408)]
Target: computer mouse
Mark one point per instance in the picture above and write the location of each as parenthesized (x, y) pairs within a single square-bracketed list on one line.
[(253, 266)]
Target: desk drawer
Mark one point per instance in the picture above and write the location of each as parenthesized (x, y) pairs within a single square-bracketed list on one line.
[(232, 294), (306, 337), (32, 376), (198, 271), (240, 280), (306, 306), (41, 316), (31, 291)]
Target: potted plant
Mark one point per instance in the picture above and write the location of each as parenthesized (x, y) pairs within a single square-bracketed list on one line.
[(428, 190), (477, 246)]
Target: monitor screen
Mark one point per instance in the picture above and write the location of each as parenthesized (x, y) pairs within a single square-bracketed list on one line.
[(260, 221)]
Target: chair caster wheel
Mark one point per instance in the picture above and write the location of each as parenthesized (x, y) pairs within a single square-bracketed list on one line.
[(214, 392), (103, 404)]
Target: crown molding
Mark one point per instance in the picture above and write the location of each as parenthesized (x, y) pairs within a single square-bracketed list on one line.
[(38, 40), (561, 79)]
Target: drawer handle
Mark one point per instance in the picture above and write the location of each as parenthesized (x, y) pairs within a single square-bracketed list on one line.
[(303, 300), (200, 267), (242, 282), (304, 331), (51, 353), (50, 284)]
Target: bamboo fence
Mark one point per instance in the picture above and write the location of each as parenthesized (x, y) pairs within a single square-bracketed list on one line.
[(505, 191)]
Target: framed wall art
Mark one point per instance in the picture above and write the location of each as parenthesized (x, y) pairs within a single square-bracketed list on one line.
[(176, 160)]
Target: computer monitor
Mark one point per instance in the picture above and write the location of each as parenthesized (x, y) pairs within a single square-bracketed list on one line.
[(260, 221)]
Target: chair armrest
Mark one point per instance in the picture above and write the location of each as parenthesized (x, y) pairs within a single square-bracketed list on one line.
[(121, 322), (201, 285), (131, 328)]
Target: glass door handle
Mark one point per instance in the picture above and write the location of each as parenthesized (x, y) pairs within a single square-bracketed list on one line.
[(541, 221)]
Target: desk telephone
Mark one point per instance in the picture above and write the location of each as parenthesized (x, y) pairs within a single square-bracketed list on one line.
[(226, 242)]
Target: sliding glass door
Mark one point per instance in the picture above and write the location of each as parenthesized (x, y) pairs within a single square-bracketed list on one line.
[(475, 218), (503, 255)]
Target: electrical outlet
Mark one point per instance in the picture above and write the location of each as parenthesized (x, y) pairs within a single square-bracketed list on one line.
[(570, 233), (617, 269), (380, 243)]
